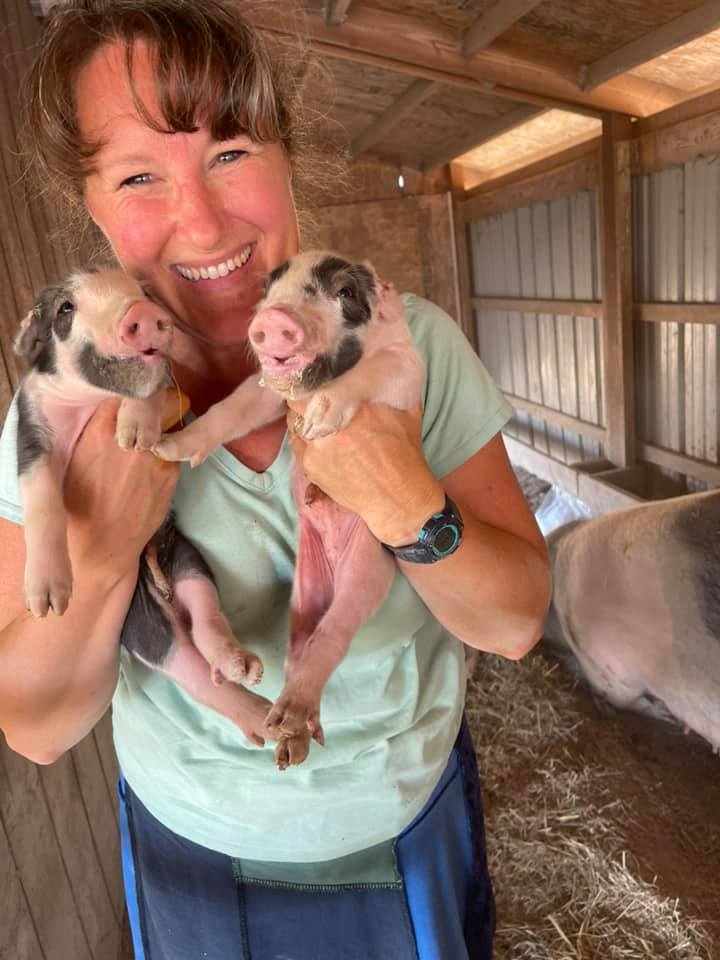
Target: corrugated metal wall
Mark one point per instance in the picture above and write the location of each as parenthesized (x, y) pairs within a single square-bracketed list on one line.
[(676, 215), (547, 250), (551, 250)]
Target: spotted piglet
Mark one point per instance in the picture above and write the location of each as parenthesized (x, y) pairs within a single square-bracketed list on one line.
[(94, 336), (327, 331)]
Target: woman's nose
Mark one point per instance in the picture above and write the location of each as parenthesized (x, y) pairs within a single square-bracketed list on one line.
[(198, 216)]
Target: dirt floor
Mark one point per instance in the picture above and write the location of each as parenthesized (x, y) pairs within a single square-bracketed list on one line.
[(603, 827)]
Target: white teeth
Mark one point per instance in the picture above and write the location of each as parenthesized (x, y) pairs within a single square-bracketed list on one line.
[(216, 270)]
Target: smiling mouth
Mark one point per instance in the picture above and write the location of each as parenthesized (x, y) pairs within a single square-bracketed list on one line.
[(218, 270)]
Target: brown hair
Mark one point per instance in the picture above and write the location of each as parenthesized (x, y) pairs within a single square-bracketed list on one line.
[(212, 67)]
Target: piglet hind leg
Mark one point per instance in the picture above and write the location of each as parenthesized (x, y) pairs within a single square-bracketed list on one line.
[(155, 633), (212, 635), (195, 597), (247, 710), (329, 605)]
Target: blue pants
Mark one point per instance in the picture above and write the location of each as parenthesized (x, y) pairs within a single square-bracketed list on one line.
[(425, 895)]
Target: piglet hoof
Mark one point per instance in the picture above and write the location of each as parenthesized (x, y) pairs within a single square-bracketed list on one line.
[(292, 751), (290, 718), (135, 435), (174, 447), (237, 666), (51, 593), (325, 416)]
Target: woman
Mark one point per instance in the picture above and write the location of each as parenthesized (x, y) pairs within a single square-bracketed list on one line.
[(167, 121)]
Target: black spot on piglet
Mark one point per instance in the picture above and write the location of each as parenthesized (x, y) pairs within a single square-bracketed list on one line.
[(351, 283), (33, 435), (275, 274), (328, 366)]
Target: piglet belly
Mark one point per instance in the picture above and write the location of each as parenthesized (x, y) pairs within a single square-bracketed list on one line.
[(342, 561)]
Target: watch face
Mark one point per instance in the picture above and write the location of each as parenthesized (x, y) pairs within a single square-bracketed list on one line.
[(445, 539)]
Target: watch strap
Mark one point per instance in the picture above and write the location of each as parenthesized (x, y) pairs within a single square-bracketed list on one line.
[(439, 538)]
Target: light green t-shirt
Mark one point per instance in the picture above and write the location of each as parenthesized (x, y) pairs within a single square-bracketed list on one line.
[(390, 711)]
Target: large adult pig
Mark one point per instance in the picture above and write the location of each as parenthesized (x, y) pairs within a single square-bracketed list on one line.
[(93, 336), (329, 336), (637, 600)]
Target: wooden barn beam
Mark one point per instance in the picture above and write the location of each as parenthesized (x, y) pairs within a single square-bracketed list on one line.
[(593, 431), (483, 132), (617, 327), (557, 176), (336, 12), (678, 313), (413, 45), (414, 95), (492, 23), (600, 494), (672, 460), (681, 30), (560, 308), (460, 240), (485, 88)]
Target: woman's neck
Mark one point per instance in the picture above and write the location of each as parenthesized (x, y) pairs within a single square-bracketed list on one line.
[(208, 375)]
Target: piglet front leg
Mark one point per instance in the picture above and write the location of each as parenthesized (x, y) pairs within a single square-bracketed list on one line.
[(248, 408), (48, 572), (139, 422), (392, 376)]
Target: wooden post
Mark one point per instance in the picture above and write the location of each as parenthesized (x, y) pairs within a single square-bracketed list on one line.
[(461, 256), (616, 231)]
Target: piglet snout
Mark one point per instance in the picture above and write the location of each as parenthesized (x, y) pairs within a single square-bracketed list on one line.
[(146, 328), (274, 331)]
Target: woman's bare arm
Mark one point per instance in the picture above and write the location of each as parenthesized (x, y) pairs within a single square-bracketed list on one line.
[(493, 593), (57, 675)]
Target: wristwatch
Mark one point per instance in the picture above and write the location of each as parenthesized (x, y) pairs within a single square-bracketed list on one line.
[(439, 538)]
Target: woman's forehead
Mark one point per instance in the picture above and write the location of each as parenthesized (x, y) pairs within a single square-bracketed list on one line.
[(104, 93)]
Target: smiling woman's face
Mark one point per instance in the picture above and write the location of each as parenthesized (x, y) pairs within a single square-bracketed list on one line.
[(201, 221)]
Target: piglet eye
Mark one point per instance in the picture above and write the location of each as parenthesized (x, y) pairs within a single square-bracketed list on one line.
[(67, 306), (346, 293)]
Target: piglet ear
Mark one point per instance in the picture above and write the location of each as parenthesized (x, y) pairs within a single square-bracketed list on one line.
[(34, 330), (391, 306)]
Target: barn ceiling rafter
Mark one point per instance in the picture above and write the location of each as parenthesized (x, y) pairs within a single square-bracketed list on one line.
[(492, 23), (491, 84), (402, 39), (690, 25)]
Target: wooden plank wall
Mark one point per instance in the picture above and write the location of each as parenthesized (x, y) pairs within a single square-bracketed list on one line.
[(408, 238), (60, 881)]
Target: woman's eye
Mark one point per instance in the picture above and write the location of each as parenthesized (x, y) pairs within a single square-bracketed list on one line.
[(136, 179), (227, 156)]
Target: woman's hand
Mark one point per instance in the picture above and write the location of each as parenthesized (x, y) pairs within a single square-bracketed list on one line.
[(115, 499), (375, 467)]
